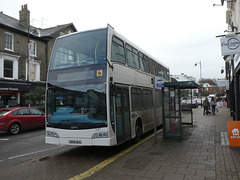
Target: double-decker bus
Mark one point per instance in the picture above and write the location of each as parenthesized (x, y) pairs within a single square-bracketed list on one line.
[(99, 90)]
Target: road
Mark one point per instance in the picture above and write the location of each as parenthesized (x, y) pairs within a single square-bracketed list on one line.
[(24, 146), (26, 156)]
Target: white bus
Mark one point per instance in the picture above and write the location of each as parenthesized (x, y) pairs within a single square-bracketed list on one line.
[(99, 90)]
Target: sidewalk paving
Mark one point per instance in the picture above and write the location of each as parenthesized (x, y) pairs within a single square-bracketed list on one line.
[(202, 154)]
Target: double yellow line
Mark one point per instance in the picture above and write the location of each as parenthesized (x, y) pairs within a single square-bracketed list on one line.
[(109, 160)]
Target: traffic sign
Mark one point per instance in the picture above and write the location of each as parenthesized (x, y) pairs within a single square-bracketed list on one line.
[(159, 82)]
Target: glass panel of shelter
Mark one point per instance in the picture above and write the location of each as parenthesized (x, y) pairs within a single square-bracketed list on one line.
[(172, 113)]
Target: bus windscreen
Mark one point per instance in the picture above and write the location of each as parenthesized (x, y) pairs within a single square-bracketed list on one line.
[(80, 49)]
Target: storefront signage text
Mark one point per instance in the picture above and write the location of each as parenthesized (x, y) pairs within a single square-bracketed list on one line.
[(8, 89)]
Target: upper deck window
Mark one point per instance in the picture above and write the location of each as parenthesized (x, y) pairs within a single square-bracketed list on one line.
[(160, 70), (80, 49), (132, 57), (118, 54), (143, 62), (152, 67)]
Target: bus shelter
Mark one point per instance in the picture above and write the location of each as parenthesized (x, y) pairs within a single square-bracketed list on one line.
[(174, 113)]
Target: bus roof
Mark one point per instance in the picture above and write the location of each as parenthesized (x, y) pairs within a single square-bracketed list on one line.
[(114, 32)]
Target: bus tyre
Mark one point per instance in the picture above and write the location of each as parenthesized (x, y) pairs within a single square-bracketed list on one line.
[(138, 130), (14, 128)]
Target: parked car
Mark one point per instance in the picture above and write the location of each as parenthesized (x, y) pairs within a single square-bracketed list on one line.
[(16, 119), (200, 101), (189, 102), (194, 102)]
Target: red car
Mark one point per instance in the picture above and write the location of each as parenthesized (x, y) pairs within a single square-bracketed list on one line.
[(15, 119)]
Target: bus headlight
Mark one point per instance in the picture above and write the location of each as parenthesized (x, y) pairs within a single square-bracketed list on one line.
[(100, 135), (52, 134)]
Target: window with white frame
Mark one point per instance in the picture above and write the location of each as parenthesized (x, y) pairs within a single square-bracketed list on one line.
[(33, 70), (32, 48), (9, 66), (8, 41), (8, 69)]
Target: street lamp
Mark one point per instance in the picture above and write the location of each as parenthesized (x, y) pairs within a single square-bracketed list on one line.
[(200, 80)]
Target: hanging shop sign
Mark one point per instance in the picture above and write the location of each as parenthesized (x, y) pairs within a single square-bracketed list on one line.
[(223, 82), (234, 133), (230, 45)]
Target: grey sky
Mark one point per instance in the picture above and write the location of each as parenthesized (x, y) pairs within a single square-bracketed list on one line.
[(178, 33)]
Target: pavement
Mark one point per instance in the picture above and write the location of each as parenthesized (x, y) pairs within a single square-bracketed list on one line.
[(202, 154)]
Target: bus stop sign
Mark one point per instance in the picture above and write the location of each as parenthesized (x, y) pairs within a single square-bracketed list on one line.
[(159, 82)]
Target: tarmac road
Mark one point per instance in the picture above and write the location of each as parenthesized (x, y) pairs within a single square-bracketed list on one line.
[(27, 156)]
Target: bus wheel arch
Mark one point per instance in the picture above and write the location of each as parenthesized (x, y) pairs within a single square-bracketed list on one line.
[(138, 130)]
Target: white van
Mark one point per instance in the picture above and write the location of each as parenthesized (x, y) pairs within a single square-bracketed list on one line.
[(210, 96)]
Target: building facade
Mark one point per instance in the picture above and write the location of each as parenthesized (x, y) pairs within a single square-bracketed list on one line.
[(232, 64), (24, 56)]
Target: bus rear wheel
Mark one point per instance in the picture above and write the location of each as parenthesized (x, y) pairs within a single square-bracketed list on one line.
[(138, 130)]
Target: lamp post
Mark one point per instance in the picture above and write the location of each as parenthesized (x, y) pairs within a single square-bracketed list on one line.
[(200, 80)]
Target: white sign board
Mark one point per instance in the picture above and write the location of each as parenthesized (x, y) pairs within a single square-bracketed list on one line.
[(230, 45), (223, 82), (159, 82)]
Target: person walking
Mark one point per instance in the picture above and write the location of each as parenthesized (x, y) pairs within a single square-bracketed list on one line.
[(206, 106), (213, 105)]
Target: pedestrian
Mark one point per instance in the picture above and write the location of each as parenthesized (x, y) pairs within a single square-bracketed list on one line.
[(206, 106), (213, 105)]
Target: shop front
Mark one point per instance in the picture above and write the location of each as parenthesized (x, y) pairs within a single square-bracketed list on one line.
[(11, 93), (236, 87), (230, 48)]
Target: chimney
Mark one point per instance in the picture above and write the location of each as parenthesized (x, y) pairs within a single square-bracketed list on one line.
[(24, 15)]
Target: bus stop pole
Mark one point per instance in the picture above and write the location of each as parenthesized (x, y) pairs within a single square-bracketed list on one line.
[(154, 107)]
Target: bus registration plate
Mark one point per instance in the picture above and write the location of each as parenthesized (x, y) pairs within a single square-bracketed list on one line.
[(75, 142)]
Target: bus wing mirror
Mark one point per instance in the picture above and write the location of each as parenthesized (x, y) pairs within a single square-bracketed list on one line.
[(113, 89)]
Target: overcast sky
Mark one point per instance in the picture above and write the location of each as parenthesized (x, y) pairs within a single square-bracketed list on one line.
[(178, 33)]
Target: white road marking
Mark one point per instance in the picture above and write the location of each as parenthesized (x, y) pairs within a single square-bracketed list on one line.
[(2, 139), (224, 139), (35, 152), (227, 141), (1, 160)]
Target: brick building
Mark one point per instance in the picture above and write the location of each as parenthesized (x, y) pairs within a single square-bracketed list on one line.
[(24, 55)]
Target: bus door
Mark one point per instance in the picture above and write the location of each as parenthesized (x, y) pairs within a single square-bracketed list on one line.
[(122, 109)]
